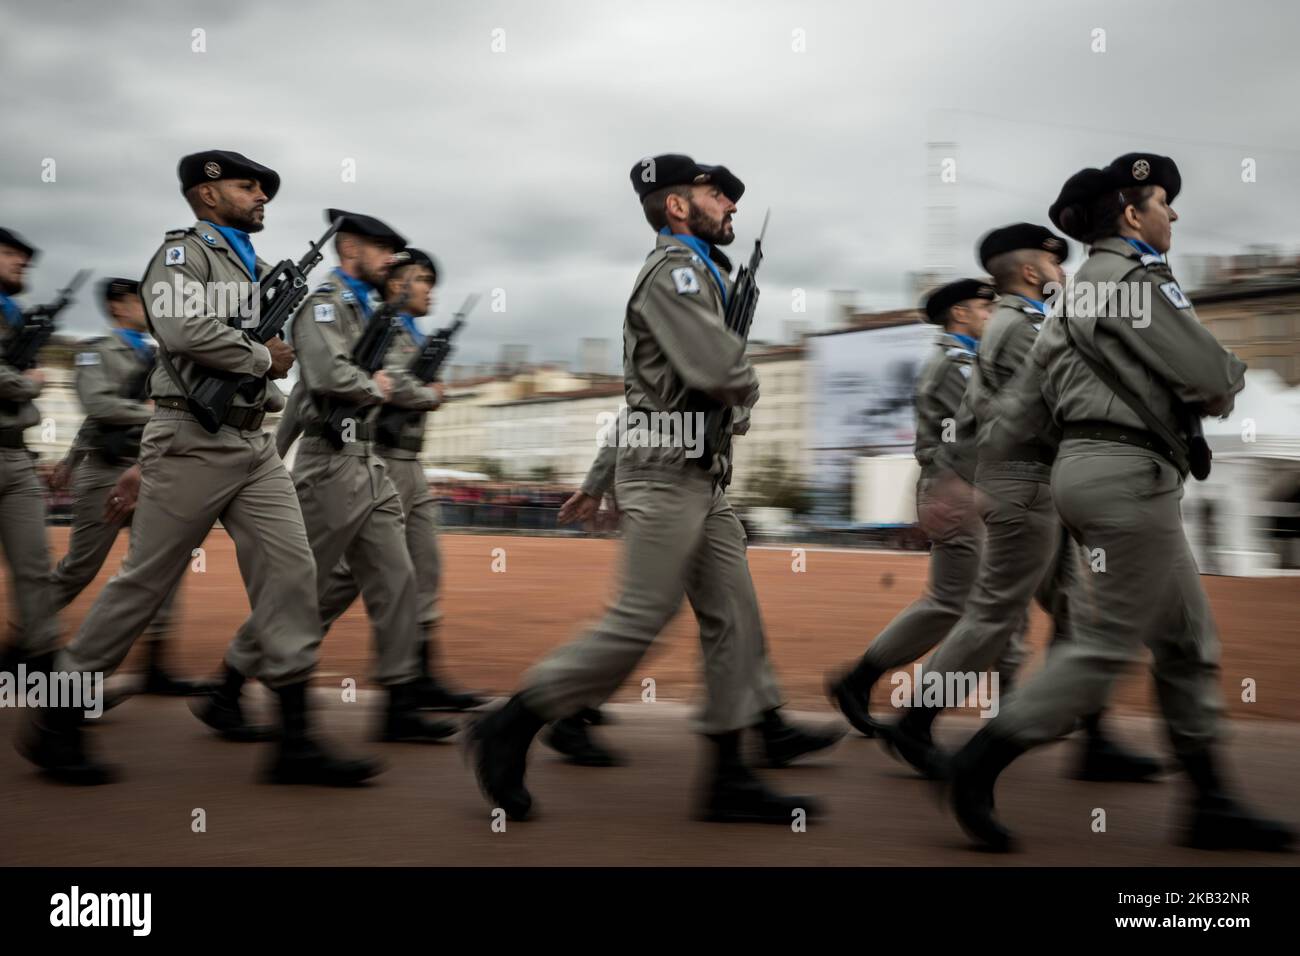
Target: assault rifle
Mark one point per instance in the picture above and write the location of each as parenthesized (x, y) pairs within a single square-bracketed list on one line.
[(739, 318), (282, 290), (38, 325)]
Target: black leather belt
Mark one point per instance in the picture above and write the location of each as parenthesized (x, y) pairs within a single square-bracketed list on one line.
[(361, 432), (12, 438), (412, 443), (1109, 431), (1030, 451), (247, 419)]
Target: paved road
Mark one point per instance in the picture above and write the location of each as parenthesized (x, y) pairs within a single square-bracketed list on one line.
[(427, 811)]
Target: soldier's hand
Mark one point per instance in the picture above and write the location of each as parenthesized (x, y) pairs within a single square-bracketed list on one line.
[(35, 376), (580, 507), (121, 500), (384, 383), (439, 391), (60, 475), (947, 506), (282, 357)]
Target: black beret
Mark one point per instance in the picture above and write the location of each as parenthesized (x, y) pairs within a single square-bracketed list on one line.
[(1128, 171), (1021, 235), (939, 301), (10, 238), (418, 257), (213, 164), (359, 225), (674, 169), (117, 288)]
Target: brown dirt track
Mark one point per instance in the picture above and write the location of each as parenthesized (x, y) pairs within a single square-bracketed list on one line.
[(497, 624)]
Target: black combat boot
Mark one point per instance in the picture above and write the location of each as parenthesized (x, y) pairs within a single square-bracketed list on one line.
[(300, 758), (497, 744), (735, 795), (911, 739), (220, 709), (432, 694), (571, 738), (973, 774), (158, 681), (1217, 822), (850, 691), (52, 739), (403, 722), (784, 743), (1105, 761)]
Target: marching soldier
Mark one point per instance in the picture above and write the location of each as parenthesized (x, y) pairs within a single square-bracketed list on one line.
[(112, 383), (22, 497), (1127, 387), (944, 503), (349, 504), (1024, 554), (400, 450), (189, 478), (680, 534)]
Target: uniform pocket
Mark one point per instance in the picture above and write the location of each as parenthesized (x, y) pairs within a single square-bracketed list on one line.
[(158, 438)]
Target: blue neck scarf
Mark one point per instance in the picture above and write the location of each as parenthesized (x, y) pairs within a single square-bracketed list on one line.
[(408, 322), (1040, 306), (137, 341), (12, 312), (972, 345), (241, 243), (702, 249), (1143, 248), (360, 288)]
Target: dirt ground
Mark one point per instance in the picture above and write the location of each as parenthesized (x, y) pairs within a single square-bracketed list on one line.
[(425, 809), (497, 623)]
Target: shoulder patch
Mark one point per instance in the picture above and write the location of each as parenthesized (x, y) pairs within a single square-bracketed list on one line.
[(964, 369), (323, 312), (88, 358), (1175, 295), (686, 281), (175, 256)]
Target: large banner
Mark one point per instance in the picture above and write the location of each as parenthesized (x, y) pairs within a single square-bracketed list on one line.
[(862, 388)]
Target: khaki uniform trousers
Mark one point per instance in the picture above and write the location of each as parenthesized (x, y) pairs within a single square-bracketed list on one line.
[(955, 547), (421, 513), (93, 538), (190, 479), (1123, 506), (35, 631), (351, 510), (681, 538)]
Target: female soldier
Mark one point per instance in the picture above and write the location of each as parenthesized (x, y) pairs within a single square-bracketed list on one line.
[(1127, 372)]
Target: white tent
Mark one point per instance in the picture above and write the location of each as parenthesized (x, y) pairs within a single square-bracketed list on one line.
[(1232, 516)]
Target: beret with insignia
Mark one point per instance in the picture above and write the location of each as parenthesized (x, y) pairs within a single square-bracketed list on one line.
[(213, 164), (359, 225), (674, 169), (117, 288), (10, 238), (1020, 235), (1132, 170), (940, 300), (418, 257)]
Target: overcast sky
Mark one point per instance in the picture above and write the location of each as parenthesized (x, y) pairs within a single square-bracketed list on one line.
[(512, 167)]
